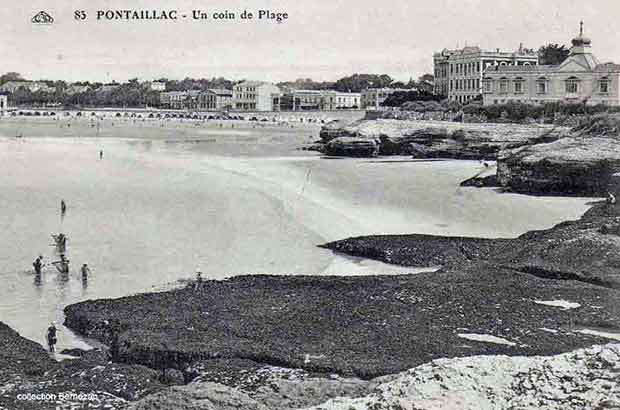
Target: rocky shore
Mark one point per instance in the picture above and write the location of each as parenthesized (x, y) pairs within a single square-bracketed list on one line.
[(531, 159), (427, 139), (242, 340)]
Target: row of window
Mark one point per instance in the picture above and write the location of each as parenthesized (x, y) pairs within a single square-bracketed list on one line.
[(246, 106), (465, 68), (245, 96), (572, 85), (464, 98), (467, 85)]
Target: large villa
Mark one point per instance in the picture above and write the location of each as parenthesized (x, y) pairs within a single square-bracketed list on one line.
[(581, 78)]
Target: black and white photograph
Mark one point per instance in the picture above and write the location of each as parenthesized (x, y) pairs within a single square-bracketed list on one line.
[(323, 205)]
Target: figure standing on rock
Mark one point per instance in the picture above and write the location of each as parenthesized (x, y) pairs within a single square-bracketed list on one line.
[(51, 336)]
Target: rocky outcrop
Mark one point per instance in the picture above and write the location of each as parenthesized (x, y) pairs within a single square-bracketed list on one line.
[(586, 250), (581, 163), (428, 139), (230, 384), (351, 147), (353, 326), (20, 357), (419, 250), (584, 379), (31, 379)]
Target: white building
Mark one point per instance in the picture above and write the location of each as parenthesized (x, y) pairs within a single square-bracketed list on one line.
[(458, 73), (581, 78), (256, 96), (157, 86)]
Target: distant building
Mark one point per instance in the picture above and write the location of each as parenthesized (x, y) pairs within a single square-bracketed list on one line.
[(107, 88), (32, 86), (336, 100), (256, 96), (373, 98), (4, 103), (319, 100), (76, 89), (157, 85), (215, 99), (303, 100), (180, 100), (458, 73), (581, 78)]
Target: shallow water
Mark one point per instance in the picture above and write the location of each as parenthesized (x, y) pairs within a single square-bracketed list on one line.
[(153, 212)]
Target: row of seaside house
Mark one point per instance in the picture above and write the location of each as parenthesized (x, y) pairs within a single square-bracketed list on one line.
[(245, 96), (264, 96)]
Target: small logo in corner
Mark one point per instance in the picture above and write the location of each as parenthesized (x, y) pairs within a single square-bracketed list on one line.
[(42, 17)]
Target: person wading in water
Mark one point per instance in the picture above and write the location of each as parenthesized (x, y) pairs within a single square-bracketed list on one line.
[(38, 265), (62, 265)]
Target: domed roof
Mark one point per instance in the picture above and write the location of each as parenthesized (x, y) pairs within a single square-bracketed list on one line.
[(581, 40)]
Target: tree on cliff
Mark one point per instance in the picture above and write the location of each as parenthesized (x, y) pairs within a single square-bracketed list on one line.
[(552, 54)]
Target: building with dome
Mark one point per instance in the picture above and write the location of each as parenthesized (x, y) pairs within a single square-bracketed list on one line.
[(581, 78)]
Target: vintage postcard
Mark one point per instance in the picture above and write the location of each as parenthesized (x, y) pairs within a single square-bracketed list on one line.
[(280, 205)]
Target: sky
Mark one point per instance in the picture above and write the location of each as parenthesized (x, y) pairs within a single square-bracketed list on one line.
[(323, 40)]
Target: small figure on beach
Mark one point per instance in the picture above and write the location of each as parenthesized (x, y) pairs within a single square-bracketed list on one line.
[(62, 265), (198, 284), (63, 207), (85, 271), (100, 154), (38, 265), (51, 336), (611, 198)]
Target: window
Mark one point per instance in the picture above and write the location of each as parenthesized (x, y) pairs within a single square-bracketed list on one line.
[(487, 85), (518, 85), (603, 85), (572, 85), (541, 86), (503, 86)]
